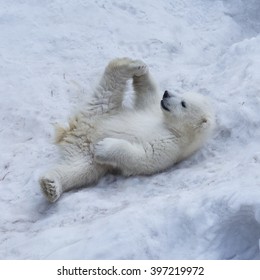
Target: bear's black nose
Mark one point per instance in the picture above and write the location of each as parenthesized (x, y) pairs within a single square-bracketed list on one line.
[(166, 94)]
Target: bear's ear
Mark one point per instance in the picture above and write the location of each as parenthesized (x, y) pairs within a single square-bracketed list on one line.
[(203, 122)]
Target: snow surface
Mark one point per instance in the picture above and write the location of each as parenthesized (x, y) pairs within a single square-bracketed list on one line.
[(52, 53)]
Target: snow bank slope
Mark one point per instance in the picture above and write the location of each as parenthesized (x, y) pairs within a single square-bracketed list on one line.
[(207, 207)]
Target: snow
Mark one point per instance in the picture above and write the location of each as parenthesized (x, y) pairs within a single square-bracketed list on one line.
[(53, 52)]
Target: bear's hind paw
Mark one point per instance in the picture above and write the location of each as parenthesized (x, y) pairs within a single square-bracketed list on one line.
[(106, 150), (50, 188)]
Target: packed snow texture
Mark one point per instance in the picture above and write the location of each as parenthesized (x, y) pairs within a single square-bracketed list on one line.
[(52, 54)]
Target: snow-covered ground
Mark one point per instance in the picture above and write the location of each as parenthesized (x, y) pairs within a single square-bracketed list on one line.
[(52, 53)]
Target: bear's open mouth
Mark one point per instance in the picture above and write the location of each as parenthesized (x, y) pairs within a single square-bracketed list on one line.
[(163, 106)]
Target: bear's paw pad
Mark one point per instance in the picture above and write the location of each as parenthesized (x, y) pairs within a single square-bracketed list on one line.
[(50, 188)]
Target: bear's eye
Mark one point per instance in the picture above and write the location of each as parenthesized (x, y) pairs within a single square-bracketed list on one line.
[(183, 104)]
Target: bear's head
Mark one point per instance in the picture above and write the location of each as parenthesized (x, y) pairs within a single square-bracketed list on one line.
[(190, 113)]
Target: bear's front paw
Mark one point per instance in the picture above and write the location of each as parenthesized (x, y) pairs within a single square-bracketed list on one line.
[(51, 188), (106, 151), (138, 67)]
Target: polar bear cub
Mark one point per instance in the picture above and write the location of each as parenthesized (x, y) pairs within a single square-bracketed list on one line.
[(104, 136)]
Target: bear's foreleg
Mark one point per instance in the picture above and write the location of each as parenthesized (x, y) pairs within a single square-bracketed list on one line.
[(109, 94), (146, 91)]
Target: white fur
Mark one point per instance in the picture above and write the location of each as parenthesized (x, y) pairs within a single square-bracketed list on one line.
[(147, 139)]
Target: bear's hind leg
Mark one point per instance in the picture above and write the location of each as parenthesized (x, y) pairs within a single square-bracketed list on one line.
[(69, 176)]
